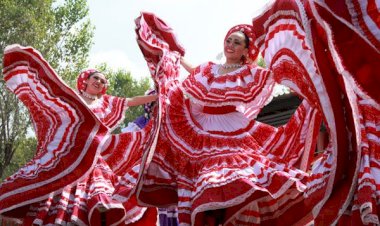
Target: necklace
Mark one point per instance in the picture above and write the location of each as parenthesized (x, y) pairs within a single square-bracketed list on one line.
[(229, 66), (89, 96)]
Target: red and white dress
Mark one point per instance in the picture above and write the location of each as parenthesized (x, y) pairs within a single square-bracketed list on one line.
[(337, 42), (68, 181), (84, 202), (210, 153)]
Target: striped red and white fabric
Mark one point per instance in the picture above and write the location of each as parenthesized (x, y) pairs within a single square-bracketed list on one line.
[(63, 125), (355, 55), (365, 17), (240, 87), (363, 53), (288, 143), (110, 110), (88, 202), (207, 158), (68, 181), (123, 154), (362, 15), (363, 207), (344, 78)]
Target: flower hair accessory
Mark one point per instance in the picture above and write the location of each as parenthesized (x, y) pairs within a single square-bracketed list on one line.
[(83, 76), (247, 29)]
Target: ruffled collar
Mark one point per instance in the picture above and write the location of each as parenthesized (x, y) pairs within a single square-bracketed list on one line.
[(239, 87), (211, 73)]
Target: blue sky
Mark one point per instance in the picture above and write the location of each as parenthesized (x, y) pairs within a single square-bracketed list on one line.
[(200, 26)]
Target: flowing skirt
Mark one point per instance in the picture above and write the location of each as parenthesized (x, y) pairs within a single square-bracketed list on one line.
[(88, 202), (215, 165)]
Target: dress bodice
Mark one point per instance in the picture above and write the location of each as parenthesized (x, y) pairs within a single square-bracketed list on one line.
[(240, 87)]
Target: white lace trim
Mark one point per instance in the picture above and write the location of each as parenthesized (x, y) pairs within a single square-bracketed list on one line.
[(141, 211)]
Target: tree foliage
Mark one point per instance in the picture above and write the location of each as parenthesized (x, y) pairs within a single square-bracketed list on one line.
[(23, 153), (62, 33), (261, 62)]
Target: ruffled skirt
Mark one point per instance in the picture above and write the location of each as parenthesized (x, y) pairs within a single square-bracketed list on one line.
[(208, 161), (88, 202)]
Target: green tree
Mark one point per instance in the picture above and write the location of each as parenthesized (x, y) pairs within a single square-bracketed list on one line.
[(23, 153), (261, 62), (62, 32)]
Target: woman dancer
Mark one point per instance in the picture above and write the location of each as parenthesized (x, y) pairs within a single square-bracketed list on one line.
[(209, 158), (320, 51), (68, 181)]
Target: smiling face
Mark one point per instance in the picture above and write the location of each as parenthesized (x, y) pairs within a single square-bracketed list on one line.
[(235, 48), (95, 83)]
